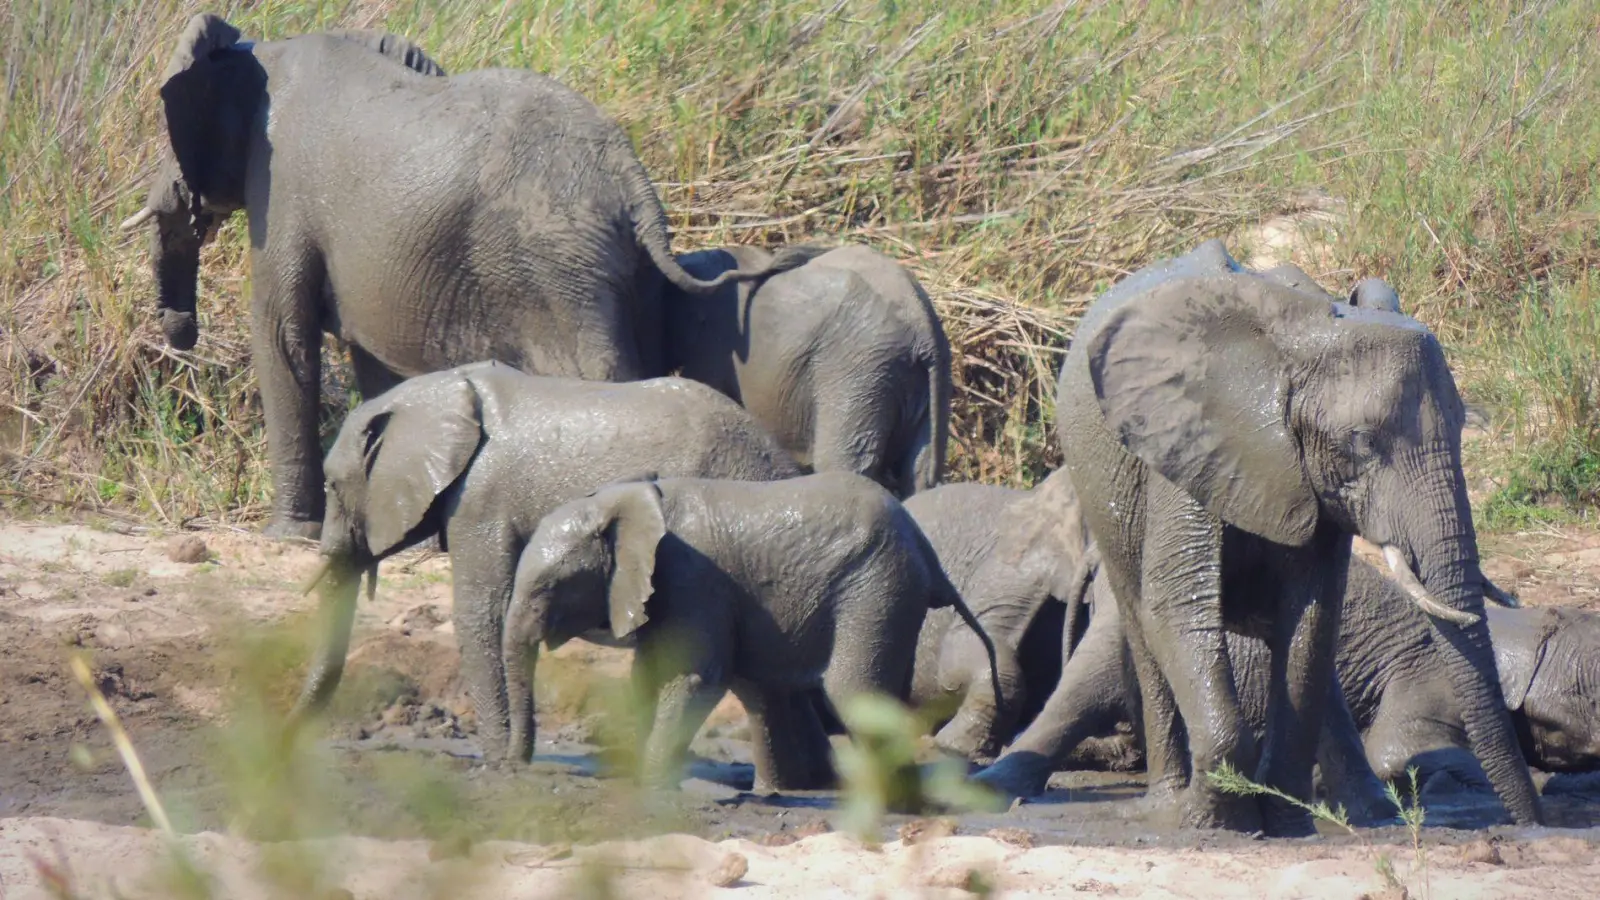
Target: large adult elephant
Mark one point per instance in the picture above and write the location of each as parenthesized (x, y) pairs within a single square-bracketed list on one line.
[(427, 221), (1227, 435)]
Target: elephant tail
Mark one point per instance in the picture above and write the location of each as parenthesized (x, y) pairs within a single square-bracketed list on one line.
[(923, 466), (1005, 673), (650, 227), (1076, 590)]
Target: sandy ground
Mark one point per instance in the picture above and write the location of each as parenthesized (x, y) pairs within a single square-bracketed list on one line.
[(404, 809)]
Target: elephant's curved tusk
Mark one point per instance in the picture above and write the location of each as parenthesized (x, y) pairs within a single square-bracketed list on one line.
[(1498, 595), (1419, 594), (139, 218), (317, 576)]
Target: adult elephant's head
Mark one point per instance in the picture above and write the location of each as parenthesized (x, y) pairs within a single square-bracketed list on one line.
[(1282, 411), (388, 473), (213, 94)]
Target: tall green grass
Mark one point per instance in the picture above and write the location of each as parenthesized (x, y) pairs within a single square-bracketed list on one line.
[(1020, 156)]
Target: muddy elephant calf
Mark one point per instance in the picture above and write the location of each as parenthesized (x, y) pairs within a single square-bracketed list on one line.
[(1022, 561), (476, 456), (771, 590), (843, 358)]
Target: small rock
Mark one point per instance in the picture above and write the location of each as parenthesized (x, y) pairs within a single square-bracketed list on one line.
[(1481, 851), (778, 839), (919, 830), (728, 872), (1389, 893), (187, 548), (1016, 837)]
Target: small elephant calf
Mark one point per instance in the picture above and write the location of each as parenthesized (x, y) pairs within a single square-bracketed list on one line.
[(843, 359), (772, 590)]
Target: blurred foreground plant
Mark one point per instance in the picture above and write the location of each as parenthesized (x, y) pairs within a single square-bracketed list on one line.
[(880, 774)]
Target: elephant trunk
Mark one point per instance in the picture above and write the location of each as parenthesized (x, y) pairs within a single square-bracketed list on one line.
[(177, 270), (522, 634), (338, 587), (1447, 565)]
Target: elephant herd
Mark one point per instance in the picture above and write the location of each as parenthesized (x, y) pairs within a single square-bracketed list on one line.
[(731, 461)]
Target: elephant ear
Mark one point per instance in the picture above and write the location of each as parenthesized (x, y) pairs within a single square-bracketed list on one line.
[(1375, 293), (208, 105), (633, 524), (414, 452), (1519, 637), (1191, 381)]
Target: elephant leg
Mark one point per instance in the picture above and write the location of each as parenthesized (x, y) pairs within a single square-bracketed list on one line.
[(1304, 637), (286, 341), (1346, 774), (683, 703), (1180, 618), (785, 736), (483, 566), (850, 436), (1165, 749), (1087, 700)]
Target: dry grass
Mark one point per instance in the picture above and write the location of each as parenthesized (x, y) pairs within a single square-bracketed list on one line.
[(1018, 156)]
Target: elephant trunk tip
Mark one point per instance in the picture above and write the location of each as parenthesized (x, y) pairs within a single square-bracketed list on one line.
[(181, 329)]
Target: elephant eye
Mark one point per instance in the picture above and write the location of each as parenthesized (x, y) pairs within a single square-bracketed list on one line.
[(1363, 444)]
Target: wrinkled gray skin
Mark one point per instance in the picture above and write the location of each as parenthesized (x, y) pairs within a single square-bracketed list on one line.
[(1021, 560), (773, 591), (427, 221), (843, 358), (1227, 434), (476, 456)]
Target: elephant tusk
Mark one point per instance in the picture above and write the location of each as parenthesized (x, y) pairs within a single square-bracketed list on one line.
[(1494, 593), (317, 576), (1419, 594), (139, 218)]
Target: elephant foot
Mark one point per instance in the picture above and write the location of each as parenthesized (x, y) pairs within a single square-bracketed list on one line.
[(1367, 807), (1019, 774), (1279, 818), (965, 736), (283, 528), (1202, 808)]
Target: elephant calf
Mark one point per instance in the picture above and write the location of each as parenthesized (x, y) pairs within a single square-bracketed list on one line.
[(476, 456), (771, 590), (843, 358), (1022, 561)]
